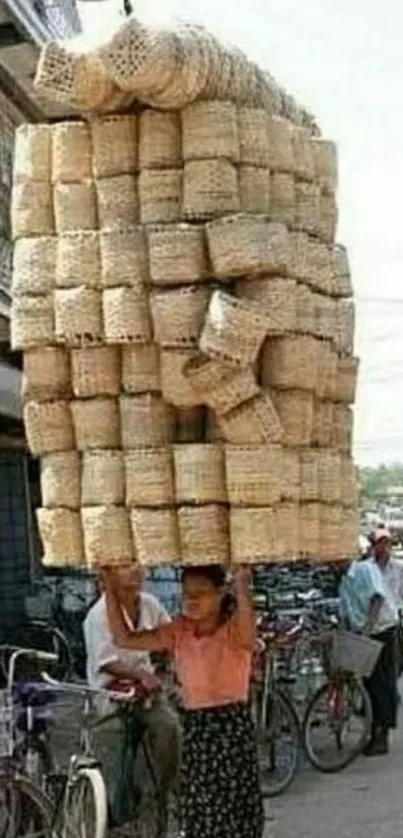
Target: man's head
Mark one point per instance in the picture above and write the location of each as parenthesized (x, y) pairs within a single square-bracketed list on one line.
[(381, 544), (129, 580)]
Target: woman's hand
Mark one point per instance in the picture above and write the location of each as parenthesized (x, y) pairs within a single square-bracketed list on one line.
[(243, 578)]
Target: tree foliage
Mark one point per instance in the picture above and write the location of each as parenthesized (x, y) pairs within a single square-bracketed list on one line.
[(374, 482)]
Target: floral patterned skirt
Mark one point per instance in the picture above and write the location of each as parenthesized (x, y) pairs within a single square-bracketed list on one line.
[(220, 794)]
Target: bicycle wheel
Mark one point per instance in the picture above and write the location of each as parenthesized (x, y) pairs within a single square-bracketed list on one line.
[(278, 745), (25, 812), (46, 638), (84, 807), (337, 724)]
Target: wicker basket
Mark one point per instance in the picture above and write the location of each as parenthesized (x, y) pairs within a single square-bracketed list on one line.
[(303, 155), (309, 530), (62, 537), (328, 218), (95, 371), (290, 475), (325, 316), (252, 423), (281, 154), (126, 315), (204, 534), (233, 389), (245, 245), (155, 535), (78, 260), (96, 423), (349, 535), (253, 136), (329, 476), (305, 303), (254, 474), (118, 202), (342, 437), (233, 330), (282, 198), (210, 130), (349, 482), (287, 531), (34, 263), (345, 327), (140, 368), (32, 210), (124, 257), (192, 425), (103, 478), (346, 380), (32, 322), (254, 189), (327, 371), (341, 274), (325, 164), (48, 427), (275, 296), (75, 206), (307, 207), (60, 480), (299, 266), (253, 535), (320, 266), (309, 475), (210, 189), (291, 363), (178, 315), (354, 653), (32, 153), (160, 194), (177, 254), (140, 58), (199, 474), (322, 427), (146, 421), (46, 374), (295, 412), (71, 152), (149, 477), (330, 532), (107, 535), (176, 387), (114, 146), (78, 316), (159, 140)]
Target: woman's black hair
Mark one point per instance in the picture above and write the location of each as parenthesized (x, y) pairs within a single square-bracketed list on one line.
[(217, 576)]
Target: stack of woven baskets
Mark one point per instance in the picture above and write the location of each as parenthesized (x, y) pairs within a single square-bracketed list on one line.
[(187, 328)]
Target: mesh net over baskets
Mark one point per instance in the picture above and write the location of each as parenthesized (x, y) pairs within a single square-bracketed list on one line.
[(48, 427), (124, 257), (75, 206), (96, 423), (309, 472), (210, 188), (32, 322), (178, 315), (178, 254), (254, 474), (140, 59), (126, 315), (71, 152), (155, 535), (233, 330), (282, 198), (114, 145), (145, 421), (62, 537), (291, 363), (295, 412), (160, 194), (243, 245), (199, 474), (253, 136), (219, 385), (78, 316), (34, 263), (329, 476), (176, 387), (95, 371), (254, 189), (210, 130), (118, 201), (276, 296), (204, 537), (32, 153), (140, 368), (149, 477), (78, 260), (159, 140), (102, 479), (253, 422), (354, 653), (46, 374), (107, 534), (309, 530), (253, 535), (346, 380), (32, 210), (60, 480)]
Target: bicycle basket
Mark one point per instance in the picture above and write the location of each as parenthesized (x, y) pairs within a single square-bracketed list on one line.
[(354, 653), (6, 723)]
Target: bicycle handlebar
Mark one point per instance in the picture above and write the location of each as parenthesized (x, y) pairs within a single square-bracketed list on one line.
[(84, 689), (31, 654)]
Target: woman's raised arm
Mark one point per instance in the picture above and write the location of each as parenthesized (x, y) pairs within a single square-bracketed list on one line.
[(243, 623), (151, 640)]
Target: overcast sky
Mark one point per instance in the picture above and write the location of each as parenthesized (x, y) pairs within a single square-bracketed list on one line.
[(344, 61)]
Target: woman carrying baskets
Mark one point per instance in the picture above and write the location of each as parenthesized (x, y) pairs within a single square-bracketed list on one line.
[(212, 646)]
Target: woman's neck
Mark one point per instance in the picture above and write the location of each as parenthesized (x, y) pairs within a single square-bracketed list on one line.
[(206, 627)]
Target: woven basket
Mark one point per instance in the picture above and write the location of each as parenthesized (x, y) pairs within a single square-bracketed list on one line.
[(199, 474), (219, 385), (253, 136), (245, 245), (254, 474), (330, 532), (160, 194), (303, 155), (349, 533), (140, 58), (74, 251), (305, 310), (307, 207), (320, 266), (254, 189), (287, 531), (345, 327), (48, 427), (145, 421), (290, 474), (149, 477), (325, 316), (95, 371), (295, 412), (329, 476), (322, 426), (299, 266), (107, 535), (309, 530), (341, 274), (155, 535), (114, 146), (124, 257), (46, 374), (253, 535), (60, 480), (210, 189), (78, 316), (291, 363), (75, 206), (328, 218), (349, 482), (32, 210), (178, 315), (282, 198), (34, 263), (71, 152), (176, 387), (118, 202), (96, 423), (309, 475), (159, 140), (281, 155), (233, 330), (177, 254), (32, 322), (210, 130), (346, 380), (103, 478), (62, 537), (140, 368), (325, 164), (32, 153), (252, 423), (276, 297), (192, 425), (326, 368), (126, 315), (204, 535), (342, 437)]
